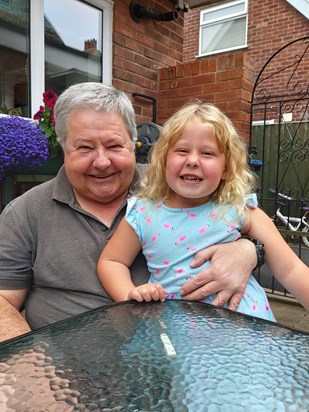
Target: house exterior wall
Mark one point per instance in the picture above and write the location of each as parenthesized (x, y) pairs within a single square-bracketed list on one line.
[(220, 78), (148, 59), (158, 58), (271, 25), (141, 49), (223, 80)]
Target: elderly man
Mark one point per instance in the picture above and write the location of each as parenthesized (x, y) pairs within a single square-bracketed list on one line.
[(51, 236)]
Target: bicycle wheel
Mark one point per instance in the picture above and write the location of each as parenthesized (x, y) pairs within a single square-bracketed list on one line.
[(305, 238)]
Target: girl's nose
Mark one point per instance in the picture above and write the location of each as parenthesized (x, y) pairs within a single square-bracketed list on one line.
[(101, 159), (192, 159)]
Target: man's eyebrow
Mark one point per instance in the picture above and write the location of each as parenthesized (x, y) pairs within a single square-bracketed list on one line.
[(83, 140), (113, 139)]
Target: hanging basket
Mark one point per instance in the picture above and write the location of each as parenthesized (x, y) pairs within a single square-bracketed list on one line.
[(51, 166)]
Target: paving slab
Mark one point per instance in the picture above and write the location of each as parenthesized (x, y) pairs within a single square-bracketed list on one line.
[(290, 314)]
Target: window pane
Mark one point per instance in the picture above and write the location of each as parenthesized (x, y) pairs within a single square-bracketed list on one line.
[(223, 36), (14, 56), (223, 12), (73, 43)]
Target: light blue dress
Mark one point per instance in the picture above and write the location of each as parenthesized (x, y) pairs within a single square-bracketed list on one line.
[(170, 238)]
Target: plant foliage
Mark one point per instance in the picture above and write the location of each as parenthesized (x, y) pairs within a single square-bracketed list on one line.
[(45, 116)]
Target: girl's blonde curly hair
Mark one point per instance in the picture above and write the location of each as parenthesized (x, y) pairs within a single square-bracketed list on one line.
[(240, 180)]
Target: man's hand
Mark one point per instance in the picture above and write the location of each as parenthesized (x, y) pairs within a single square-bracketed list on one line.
[(147, 292), (228, 274)]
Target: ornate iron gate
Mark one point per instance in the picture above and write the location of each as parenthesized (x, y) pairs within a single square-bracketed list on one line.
[(279, 132)]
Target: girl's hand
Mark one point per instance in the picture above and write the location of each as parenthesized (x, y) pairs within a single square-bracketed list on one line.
[(147, 292)]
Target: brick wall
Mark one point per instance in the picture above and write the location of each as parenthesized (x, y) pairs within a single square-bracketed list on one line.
[(191, 34), (271, 25), (148, 57), (225, 80), (141, 49)]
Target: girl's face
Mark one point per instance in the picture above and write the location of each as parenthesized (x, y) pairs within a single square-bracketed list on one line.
[(195, 166)]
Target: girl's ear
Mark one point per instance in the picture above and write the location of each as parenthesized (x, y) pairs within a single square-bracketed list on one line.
[(225, 174)]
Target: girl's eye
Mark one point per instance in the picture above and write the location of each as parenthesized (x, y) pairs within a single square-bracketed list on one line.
[(181, 151), (207, 153)]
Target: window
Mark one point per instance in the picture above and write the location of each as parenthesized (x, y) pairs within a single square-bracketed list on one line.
[(51, 44), (73, 47), (14, 57), (223, 28)]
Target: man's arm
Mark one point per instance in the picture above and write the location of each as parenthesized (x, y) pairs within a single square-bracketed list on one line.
[(231, 265), (12, 323)]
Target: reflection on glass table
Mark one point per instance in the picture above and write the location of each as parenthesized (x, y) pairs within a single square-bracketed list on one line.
[(173, 356)]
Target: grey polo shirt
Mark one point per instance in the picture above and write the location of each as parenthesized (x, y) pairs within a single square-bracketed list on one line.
[(51, 246)]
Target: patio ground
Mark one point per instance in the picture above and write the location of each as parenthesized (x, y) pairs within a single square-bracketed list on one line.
[(289, 314)]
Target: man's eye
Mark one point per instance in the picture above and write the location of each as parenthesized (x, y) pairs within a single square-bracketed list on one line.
[(84, 148), (115, 147)]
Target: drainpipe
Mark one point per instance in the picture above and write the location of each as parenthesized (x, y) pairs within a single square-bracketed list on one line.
[(138, 11)]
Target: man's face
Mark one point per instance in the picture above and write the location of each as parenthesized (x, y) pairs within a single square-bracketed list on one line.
[(98, 155)]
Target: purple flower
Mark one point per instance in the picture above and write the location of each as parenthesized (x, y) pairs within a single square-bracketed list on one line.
[(22, 143)]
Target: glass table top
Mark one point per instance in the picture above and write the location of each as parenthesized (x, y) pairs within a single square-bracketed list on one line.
[(173, 356)]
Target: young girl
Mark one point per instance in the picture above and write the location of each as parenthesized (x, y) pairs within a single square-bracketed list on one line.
[(196, 192)]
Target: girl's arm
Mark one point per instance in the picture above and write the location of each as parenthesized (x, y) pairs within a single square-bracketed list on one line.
[(283, 263), (113, 268), (115, 260)]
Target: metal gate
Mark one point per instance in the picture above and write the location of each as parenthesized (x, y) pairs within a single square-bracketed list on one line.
[(280, 141)]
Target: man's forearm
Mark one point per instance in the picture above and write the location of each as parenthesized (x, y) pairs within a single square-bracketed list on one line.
[(12, 323)]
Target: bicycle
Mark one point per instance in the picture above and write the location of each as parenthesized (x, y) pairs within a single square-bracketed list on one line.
[(292, 223)]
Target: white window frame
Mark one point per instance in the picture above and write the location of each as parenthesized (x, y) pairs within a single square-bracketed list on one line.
[(37, 55), (229, 17)]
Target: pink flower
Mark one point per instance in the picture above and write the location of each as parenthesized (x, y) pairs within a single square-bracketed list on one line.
[(50, 98), (39, 114), (46, 119)]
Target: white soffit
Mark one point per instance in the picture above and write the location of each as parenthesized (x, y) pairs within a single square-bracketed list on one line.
[(301, 5)]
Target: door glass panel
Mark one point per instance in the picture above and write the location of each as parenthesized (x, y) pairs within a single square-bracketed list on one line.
[(73, 43), (14, 57)]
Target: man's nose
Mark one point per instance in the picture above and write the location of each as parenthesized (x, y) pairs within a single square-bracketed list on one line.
[(101, 159)]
